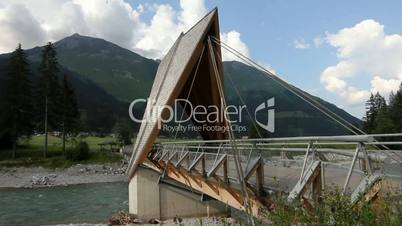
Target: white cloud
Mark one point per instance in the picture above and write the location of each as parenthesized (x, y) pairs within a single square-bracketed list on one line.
[(32, 23), (51, 20), (364, 50), (267, 67), (160, 34), (332, 75), (232, 38), (384, 86), (354, 96), (318, 41), (29, 29), (166, 25), (193, 10), (141, 8), (301, 44)]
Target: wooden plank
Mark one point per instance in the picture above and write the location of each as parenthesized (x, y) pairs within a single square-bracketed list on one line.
[(366, 184), (260, 177), (310, 174), (216, 190)]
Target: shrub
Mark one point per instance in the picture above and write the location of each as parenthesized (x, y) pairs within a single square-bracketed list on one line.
[(337, 209), (79, 153)]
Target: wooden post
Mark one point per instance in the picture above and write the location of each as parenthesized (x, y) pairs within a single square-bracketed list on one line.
[(363, 166), (46, 130), (283, 158), (225, 171), (317, 187), (260, 177), (203, 172)]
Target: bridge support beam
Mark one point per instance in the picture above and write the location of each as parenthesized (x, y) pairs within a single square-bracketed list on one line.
[(149, 199)]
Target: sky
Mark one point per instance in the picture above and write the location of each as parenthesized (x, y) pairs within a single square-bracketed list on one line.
[(338, 50)]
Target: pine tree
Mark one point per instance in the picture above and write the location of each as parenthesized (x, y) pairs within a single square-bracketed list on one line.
[(123, 132), (383, 122), (396, 110), (69, 110), (370, 114), (379, 102), (391, 98), (18, 98), (377, 119), (48, 93)]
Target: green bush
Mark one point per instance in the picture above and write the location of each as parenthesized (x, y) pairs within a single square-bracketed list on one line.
[(79, 153), (337, 209)]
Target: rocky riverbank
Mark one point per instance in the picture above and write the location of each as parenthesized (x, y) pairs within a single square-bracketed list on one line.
[(78, 174), (206, 221)]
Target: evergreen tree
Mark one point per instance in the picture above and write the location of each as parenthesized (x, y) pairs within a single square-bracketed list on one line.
[(396, 110), (379, 102), (383, 122), (370, 114), (391, 98), (48, 93), (69, 110), (377, 115), (17, 101), (123, 132), (5, 137)]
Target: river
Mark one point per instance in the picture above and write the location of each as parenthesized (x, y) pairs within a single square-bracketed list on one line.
[(89, 203)]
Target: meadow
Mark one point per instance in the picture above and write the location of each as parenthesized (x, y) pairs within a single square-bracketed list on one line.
[(30, 152)]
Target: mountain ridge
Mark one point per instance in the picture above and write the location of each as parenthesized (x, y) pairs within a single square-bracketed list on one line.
[(126, 75)]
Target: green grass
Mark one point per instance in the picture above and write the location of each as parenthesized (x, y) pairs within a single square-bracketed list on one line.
[(55, 143), (30, 153), (336, 209)]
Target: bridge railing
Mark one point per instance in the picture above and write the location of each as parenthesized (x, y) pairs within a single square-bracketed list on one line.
[(345, 160)]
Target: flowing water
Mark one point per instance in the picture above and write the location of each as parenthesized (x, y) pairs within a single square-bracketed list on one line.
[(90, 203)]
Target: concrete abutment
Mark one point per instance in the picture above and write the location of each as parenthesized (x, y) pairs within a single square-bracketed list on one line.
[(149, 199)]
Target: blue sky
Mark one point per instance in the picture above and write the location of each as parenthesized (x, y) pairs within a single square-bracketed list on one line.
[(270, 28), (346, 49)]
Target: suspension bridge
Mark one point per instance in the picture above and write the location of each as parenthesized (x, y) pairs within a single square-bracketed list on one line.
[(244, 174)]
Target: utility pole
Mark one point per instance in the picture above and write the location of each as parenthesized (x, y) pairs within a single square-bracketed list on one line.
[(45, 150)]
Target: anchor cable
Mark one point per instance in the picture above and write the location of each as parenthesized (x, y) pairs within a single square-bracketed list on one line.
[(301, 94), (230, 133)]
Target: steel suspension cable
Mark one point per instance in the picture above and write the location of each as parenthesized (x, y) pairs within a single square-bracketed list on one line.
[(302, 95), (230, 132), (296, 92), (242, 101)]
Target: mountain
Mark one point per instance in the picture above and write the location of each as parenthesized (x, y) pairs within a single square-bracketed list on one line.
[(123, 73), (293, 116), (98, 108), (107, 77)]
